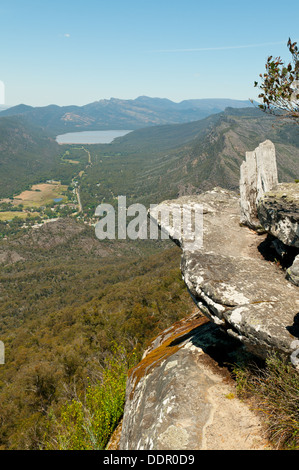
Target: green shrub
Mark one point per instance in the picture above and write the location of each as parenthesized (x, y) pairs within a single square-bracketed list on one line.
[(88, 422)]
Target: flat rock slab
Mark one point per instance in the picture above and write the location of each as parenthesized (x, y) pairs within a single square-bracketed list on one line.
[(229, 279), (179, 399)]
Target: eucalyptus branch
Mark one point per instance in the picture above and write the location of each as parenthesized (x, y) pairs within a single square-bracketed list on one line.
[(280, 86)]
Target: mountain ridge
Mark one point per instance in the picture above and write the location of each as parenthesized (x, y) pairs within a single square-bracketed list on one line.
[(117, 113), (161, 161), (164, 162)]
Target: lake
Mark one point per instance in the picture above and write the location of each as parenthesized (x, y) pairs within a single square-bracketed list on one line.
[(90, 137)]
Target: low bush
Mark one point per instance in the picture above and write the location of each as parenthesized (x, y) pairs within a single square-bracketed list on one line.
[(88, 421)]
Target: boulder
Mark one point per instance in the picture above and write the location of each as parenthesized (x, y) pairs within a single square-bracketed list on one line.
[(293, 272), (278, 213)]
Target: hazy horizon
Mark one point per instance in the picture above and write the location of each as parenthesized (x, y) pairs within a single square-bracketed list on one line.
[(7, 105)]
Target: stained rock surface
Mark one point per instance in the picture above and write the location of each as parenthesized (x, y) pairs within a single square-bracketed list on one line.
[(230, 280), (178, 398)]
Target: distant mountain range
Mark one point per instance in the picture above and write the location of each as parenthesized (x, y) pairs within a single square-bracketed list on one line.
[(3, 107), (121, 114)]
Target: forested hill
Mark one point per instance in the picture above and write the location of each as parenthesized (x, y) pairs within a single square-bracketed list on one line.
[(152, 163), (121, 114), (163, 162), (27, 155), (148, 164)]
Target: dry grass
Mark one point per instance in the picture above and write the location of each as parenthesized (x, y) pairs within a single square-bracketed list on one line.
[(9, 215), (275, 391)]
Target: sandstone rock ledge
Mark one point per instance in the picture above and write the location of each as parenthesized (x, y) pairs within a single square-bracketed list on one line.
[(231, 282)]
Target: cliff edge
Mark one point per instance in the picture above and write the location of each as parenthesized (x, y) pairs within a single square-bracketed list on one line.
[(232, 282), (178, 396)]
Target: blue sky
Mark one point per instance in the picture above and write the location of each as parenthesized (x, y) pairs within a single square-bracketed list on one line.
[(76, 52)]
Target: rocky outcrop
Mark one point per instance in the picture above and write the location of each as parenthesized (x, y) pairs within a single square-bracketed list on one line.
[(267, 205), (258, 174), (293, 272), (230, 280), (9, 257), (278, 212)]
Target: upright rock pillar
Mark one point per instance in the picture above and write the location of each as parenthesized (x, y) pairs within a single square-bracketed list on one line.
[(258, 174)]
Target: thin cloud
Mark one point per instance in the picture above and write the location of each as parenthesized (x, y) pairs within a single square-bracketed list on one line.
[(222, 48), (67, 35)]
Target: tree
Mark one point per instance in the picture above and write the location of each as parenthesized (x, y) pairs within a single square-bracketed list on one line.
[(280, 86)]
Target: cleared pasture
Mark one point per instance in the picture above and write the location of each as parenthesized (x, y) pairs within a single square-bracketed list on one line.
[(41, 195), (9, 215)]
